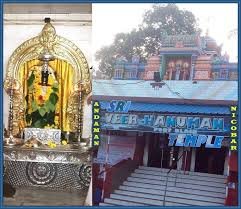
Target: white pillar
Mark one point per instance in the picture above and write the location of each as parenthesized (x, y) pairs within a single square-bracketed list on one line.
[(146, 150), (171, 156), (179, 163), (193, 159), (225, 169)]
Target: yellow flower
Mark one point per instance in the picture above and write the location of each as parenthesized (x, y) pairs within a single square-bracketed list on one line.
[(49, 143), (64, 142), (53, 145)]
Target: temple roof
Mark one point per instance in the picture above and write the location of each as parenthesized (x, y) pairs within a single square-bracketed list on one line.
[(183, 40), (173, 89), (189, 43), (173, 108), (130, 66)]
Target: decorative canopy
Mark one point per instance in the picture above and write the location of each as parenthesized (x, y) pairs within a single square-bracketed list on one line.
[(47, 55), (60, 47)]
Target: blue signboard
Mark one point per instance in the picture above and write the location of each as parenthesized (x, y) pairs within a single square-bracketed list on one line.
[(119, 106), (189, 140), (186, 130), (166, 123)]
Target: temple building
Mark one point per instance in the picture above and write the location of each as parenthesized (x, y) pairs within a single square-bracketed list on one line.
[(46, 113), (165, 128), (182, 57)]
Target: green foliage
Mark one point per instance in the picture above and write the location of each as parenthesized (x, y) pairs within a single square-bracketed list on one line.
[(42, 115), (159, 21), (31, 80), (42, 111), (50, 107), (53, 98), (34, 106), (55, 87)]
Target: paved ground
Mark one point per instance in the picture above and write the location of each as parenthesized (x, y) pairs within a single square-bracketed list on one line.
[(37, 197)]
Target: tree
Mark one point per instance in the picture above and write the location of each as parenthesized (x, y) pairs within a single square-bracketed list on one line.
[(159, 21)]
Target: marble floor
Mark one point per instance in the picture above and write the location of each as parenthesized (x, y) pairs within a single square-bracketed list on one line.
[(37, 197)]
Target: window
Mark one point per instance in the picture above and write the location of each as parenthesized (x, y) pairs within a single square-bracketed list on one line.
[(215, 75), (131, 74), (118, 74), (223, 74), (233, 76)]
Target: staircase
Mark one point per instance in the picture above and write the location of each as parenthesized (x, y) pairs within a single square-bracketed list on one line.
[(154, 186)]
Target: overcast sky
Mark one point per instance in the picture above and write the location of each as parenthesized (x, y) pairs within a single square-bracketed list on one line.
[(219, 19)]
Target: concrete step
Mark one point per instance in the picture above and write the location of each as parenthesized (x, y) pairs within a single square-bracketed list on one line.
[(164, 170), (161, 185), (122, 202), (147, 185), (181, 180), (179, 175), (173, 190), (175, 204), (142, 190), (198, 197), (197, 187), (197, 192), (139, 194), (202, 196), (136, 199), (142, 185), (147, 181), (105, 204), (175, 200), (191, 202)]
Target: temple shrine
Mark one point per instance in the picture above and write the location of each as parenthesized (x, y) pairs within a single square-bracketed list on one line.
[(182, 57), (165, 126), (46, 84)]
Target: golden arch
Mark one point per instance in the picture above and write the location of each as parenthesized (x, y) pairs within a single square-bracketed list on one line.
[(59, 46), (61, 49)]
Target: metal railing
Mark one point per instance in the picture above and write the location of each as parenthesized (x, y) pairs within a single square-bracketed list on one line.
[(106, 171), (168, 172)]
